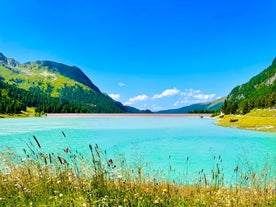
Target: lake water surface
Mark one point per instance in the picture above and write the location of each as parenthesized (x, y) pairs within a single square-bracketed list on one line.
[(186, 144)]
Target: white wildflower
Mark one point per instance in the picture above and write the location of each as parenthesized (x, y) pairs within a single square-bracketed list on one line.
[(26, 190), (17, 185), (7, 170)]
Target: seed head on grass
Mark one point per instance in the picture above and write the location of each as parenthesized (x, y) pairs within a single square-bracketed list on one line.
[(36, 141), (66, 150)]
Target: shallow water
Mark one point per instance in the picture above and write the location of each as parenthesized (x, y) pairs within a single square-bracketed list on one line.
[(186, 144)]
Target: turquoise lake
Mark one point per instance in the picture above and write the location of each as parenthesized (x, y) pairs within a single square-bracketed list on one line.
[(188, 145)]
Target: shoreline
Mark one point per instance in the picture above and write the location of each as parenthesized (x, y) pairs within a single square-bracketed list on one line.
[(123, 115), (262, 120)]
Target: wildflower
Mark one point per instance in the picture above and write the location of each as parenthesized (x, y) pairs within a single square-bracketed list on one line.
[(17, 185), (119, 176), (125, 200), (62, 160), (66, 150), (60, 195), (156, 202), (110, 162), (165, 190), (5, 181), (26, 190), (7, 170)]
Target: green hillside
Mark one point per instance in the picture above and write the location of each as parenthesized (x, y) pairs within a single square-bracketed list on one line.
[(71, 72), (258, 92), (14, 100), (196, 108), (65, 86)]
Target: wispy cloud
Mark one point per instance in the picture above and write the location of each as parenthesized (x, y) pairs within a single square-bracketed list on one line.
[(197, 94), (138, 98), (116, 97), (205, 97), (192, 96), (167, 92), (121, 84), (190, 92), (169, 98)]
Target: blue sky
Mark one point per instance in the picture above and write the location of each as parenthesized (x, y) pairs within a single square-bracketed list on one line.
[(148, 54)]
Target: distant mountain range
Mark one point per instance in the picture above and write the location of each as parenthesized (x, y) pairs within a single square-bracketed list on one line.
[(258, 92), (208, 106), (66, 88), (55, 87)]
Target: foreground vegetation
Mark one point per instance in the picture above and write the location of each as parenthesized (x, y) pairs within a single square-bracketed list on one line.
[(70, 179), (258, 119)]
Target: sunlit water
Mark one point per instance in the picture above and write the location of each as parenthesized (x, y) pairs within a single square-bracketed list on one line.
[(188, 145)]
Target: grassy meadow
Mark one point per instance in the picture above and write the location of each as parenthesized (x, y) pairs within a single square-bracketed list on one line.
[(258, 119), (70, 179), (26, 76)]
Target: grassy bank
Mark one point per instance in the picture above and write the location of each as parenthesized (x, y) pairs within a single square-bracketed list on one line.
[(30, 112), (261, 120), (69, 179)]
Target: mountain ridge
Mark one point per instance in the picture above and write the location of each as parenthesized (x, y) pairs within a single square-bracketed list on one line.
[(69, 85), (71, 72), (258, 92), (207, 106)]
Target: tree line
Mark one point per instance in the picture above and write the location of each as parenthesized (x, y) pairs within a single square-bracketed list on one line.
[(13, 100), (243, 107), (72, 99), (201, 111)]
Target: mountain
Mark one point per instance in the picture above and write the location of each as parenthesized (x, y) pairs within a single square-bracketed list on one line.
[(67, 88), (258, 92), (71, 72), (208, 106)]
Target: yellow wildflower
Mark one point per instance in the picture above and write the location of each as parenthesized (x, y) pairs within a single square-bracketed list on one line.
[(125, 200), (156, 201)]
